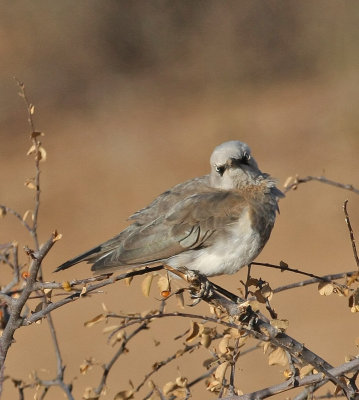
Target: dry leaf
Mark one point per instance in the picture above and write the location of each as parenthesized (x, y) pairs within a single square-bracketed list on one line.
[(354, 301), (281, 324), (220, 371), (288, 181), (306, 370), (267, 292), (206, 340), (31, 109), (181, 381), (124, 395), (83, 291), (48, 293), (29, 183), (223, 346), (168, 388), (56, 236), (104, 307), (180, 299), (95, 320), (278, 357), (128, 280), (146, 285), (325, 288), (163, 283), (36, 134), (27, 212), (194, 331), (42, 154), (66, 286), (110, 328), (214, 385), (2, 212)]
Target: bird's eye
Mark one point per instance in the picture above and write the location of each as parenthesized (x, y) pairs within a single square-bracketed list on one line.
[(246, 157), (220, 169)]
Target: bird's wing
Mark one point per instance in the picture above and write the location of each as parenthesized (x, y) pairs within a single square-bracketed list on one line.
[(190, 223), (165, 201), (159, 207)]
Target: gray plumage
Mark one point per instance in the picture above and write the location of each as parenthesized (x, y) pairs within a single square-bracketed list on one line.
[(214, 224)]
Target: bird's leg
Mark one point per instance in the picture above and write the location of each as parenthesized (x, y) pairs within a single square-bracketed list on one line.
[(200, 287)]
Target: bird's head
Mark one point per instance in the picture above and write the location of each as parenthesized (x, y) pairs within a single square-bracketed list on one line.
[(232, 166)]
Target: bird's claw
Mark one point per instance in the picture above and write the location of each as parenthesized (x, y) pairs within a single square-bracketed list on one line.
[(200, 287)]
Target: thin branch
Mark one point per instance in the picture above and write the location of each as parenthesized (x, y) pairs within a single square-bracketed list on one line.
[(284, 267), (109, 365), (89, 289), (325, 278), (297, 181), (299, 382), (351, 234), (9, 210)]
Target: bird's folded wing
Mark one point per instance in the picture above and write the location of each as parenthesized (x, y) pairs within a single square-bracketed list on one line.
[(191, 223)]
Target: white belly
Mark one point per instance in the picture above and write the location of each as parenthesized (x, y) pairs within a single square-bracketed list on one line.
[(238, 245)]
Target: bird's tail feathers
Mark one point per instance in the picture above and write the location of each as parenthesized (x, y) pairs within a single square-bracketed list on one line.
[(82, 257)]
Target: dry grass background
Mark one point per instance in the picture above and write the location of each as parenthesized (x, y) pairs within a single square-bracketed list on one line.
[(133, 97)]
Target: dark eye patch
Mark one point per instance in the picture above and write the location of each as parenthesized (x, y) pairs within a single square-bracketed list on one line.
[(220, 169)]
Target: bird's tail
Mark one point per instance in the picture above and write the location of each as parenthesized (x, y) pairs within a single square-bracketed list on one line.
[(82, 257)]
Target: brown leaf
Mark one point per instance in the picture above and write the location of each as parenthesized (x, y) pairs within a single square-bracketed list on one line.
[(278, 357), (220, 371), (181, 381), (354, 301), (29, 183), (27, 212), (146, 285), (36, 134), (2, 212), (124, 395), (223, 345), (42, 155), (163, 283), (56, 236), (168, 388), (281, 324), (194, 331), (87, 365), (94, 320), (267, 292), (66, 286), (206, 340), (180, 299), (128, 281), (306, 370), (325, 288), (288, 181)]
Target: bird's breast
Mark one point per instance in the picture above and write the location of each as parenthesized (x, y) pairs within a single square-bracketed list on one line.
[(233, 247)]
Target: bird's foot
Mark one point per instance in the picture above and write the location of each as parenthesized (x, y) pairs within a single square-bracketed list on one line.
[(200, 287)]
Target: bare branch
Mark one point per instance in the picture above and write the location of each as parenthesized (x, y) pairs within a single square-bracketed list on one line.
[(299, 382), (351, 234), (297, 181)]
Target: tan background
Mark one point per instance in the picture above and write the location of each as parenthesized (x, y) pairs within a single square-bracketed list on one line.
[(133, 97)]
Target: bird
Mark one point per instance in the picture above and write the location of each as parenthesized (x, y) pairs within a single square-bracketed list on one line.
[(213, 224)]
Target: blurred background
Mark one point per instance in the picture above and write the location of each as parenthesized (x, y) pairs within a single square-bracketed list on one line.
[(133, 96)]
